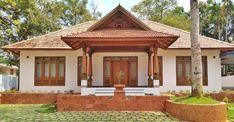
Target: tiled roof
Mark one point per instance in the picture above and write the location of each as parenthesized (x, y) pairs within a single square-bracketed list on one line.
[(184, 40), (120, 34), (53, 40)]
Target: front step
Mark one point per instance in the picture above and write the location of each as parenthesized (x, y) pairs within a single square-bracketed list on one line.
[(128, 91), (104, 92), (134, 91)]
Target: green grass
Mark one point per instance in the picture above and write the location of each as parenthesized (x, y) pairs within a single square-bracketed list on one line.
[(194, 100), (47, 108), (231, 110)]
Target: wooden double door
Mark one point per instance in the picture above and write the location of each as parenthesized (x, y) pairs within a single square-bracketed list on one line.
[(113, 66)]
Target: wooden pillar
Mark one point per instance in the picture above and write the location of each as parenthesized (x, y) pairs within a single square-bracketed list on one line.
[(150, 80), (84, 65), (155, 61), (90, 69)]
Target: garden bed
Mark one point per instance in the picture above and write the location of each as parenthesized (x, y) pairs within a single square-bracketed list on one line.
[(215, 112)]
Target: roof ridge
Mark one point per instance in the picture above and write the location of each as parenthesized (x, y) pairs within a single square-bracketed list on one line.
[(184, 31), (50, 33)]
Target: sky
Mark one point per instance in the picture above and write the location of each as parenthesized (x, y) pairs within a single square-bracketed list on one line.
[(105, 6)]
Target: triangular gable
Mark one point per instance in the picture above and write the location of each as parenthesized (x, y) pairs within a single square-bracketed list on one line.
[(119, 18)]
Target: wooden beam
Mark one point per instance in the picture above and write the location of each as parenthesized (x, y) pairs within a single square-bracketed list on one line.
[(84, 65), (90, 67), (150, 80)]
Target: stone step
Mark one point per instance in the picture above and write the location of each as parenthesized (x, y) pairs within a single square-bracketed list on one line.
[(126, 90)]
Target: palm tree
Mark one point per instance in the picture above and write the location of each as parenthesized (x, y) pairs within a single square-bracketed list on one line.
[(197, 89)]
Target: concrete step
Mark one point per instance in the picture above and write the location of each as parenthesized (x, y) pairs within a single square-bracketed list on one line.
[(104, 92)]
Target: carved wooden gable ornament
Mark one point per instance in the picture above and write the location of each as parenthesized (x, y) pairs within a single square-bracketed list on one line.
[(119, 18)]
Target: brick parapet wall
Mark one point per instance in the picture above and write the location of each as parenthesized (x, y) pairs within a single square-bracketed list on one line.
[(27, 98), (197, 113), (103, 103)]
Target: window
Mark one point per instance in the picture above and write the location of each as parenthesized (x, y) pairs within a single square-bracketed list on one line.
[(79, 71), (184, 70), (160, 69), (49, 71), (227, 69)]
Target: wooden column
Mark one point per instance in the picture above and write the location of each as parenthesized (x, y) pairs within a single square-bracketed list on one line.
[(84, 65), (90, 69), (150, 80), (155, 61)]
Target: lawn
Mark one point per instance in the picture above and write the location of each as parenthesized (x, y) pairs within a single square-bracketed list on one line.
[(194, 100), (45, 113), (231, 111)]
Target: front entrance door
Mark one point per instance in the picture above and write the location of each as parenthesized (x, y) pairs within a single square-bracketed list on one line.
[(114, 65), (120, 67)]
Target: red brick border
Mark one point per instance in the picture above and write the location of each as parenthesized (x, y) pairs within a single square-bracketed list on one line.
[(197, 113), (217, 96), (221, 96), (27, 98), (71, 102)]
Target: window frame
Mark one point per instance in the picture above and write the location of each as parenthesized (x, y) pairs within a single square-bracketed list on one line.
[(110, 59), (49, 81), (185, 81), (79, 70)]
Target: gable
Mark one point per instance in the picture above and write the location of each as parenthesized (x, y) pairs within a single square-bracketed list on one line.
[(119, 18), (119, 21)]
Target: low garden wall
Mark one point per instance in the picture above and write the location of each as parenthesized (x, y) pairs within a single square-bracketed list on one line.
[(27, 98), (221, 96), (217, 96), (197, 113), (102, 103)]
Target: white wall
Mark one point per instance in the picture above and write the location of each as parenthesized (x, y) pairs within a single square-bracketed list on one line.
[(27, 70), (228, 81), (169, 69)]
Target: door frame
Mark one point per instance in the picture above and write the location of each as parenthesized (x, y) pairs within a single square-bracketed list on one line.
[(120, 59)]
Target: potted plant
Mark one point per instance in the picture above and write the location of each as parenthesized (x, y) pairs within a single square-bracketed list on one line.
[(120, 85)]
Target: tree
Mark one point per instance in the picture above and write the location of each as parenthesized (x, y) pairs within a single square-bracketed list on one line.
[(163, 11), (197, 89), (177, 18), (22, 19), (74, 12), (217, 19), (95, 14), (154, 10), (227, 12)]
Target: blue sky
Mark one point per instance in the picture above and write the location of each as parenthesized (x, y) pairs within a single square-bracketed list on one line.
[(105, 6)]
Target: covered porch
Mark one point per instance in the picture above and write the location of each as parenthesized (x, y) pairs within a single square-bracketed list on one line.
[(120, 32), (120, 69)]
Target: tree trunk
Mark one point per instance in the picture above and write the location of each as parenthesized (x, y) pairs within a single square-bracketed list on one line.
[(226, 28), (197, 89)]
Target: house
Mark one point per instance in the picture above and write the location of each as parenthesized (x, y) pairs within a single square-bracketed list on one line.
[(8, 77), (119, 48), (227, 65), (8, 70)]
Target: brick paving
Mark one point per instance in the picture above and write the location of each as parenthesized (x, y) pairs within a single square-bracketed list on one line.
[(29, 113)]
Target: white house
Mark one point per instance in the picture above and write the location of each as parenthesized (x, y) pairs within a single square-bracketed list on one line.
[(119, 43)]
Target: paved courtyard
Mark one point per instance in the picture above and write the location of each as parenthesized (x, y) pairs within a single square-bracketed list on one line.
[(35, 113)]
